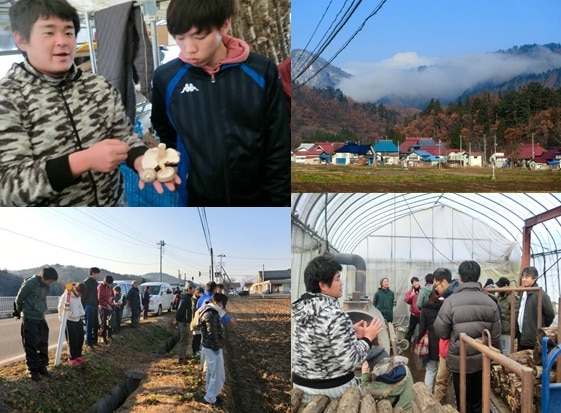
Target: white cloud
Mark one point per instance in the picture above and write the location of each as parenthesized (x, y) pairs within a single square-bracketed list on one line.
[(408, 75)]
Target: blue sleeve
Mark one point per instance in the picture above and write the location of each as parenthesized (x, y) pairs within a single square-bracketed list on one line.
[(225, 319)]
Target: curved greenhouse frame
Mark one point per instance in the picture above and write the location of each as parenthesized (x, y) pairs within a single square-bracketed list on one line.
[(404, 235)]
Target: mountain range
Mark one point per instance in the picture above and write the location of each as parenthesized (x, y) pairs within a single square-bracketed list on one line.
[(10, 280), (446, 79)]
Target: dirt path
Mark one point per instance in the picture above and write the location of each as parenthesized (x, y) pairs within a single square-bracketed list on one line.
[(258, 354)]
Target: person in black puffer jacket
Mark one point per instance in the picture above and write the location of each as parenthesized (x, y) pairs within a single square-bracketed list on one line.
[(426, 323), (213, 335)]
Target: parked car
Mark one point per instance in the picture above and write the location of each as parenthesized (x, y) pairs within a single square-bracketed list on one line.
[(126, 286), (161, 296)]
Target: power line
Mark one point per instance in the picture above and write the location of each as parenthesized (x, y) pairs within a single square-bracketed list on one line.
[(331, 36), (71, 250), (374, 12), (297, 62)]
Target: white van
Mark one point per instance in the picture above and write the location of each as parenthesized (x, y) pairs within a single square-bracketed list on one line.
[(161, 296)]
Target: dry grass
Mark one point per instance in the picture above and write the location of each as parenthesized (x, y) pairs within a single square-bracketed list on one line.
[(358, 178)]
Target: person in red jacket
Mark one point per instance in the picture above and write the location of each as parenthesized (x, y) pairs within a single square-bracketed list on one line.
[(411, 299), (105, 304)]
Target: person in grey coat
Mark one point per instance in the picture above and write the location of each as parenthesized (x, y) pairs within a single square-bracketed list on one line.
[(468, 310)]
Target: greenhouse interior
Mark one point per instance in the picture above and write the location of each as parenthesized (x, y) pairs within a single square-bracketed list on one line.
[(402, 235)]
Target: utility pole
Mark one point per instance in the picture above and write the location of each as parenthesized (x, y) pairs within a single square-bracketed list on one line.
[(439, 154), (221, 274), (211, 265), (495, 158), (179, 275), (161, 244), (484, 150)]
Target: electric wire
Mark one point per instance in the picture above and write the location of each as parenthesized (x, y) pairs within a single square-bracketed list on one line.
[(330, 37), (206, 230), (299, 57), (376, 10), (72, 250)]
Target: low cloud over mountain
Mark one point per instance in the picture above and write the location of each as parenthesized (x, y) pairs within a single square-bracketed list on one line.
[(408, 79)]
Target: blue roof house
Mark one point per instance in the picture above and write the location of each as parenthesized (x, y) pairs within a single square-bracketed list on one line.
[(353, 153)]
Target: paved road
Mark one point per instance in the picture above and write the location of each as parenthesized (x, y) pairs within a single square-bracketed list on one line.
[(11, 348)]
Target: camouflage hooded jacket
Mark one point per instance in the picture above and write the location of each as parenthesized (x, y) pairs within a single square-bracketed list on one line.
[(42, 121), (325, 348)]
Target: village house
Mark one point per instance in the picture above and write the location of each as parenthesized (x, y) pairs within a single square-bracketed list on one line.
[(315, 153)]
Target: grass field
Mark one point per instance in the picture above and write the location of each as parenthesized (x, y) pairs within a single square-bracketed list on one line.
[(360, 178)]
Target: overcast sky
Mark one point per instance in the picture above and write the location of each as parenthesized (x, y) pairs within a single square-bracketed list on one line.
[(125, 240)]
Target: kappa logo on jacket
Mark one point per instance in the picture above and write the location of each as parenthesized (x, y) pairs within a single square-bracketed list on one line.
[(189, 87)]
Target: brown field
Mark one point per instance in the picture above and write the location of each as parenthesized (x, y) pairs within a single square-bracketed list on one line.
[(257, 356), (360, 178)]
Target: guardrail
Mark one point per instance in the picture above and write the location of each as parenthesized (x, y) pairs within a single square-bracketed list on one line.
[(7, 305)]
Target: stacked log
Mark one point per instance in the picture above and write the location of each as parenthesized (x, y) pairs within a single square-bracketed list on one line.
[(354, 402), (508, 386)]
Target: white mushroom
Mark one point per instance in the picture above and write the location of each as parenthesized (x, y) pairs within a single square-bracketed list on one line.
[(167, 174), (148, 175), (157, 160)]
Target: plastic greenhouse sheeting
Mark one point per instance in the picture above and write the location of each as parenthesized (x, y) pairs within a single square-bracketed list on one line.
[(404, 235)]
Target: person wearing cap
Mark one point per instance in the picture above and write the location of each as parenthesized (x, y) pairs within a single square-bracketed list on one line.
[(527, 313), (468, 310), (386, 377), (196, 341), (326, 346), (31, 304), (182, 319)]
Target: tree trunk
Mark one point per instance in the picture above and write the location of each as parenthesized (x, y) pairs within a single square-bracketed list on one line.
[(265, 26)]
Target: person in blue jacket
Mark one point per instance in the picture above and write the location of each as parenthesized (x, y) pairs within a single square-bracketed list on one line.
[(223, 108)]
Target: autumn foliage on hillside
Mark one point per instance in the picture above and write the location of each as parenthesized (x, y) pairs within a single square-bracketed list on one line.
[(513, 117)]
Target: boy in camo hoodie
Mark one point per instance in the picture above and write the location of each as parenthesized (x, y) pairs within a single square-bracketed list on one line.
[(63, 132), (326, 346)]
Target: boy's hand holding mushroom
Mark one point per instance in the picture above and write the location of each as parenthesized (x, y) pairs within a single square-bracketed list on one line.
[(158, 165)]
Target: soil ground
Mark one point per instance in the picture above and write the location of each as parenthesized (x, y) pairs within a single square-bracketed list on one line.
[(257, 355), (360, 178)]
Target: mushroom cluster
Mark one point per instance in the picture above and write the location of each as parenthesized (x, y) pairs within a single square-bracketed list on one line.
[(157, 164)]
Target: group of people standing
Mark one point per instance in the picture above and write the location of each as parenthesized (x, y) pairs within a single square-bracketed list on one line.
[(327, 347), (88, 301)]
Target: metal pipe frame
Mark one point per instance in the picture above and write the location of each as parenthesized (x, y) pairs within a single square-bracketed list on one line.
[(491, 353)]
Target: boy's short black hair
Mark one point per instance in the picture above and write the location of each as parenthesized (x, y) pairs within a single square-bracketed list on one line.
[(442, 274), (219, 298), (108, 279), (414, 279), (95, 270), (210, 286), (531, 271), (24, 14), (205, 15), (322, 268), (469, 271), (48, 273)]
